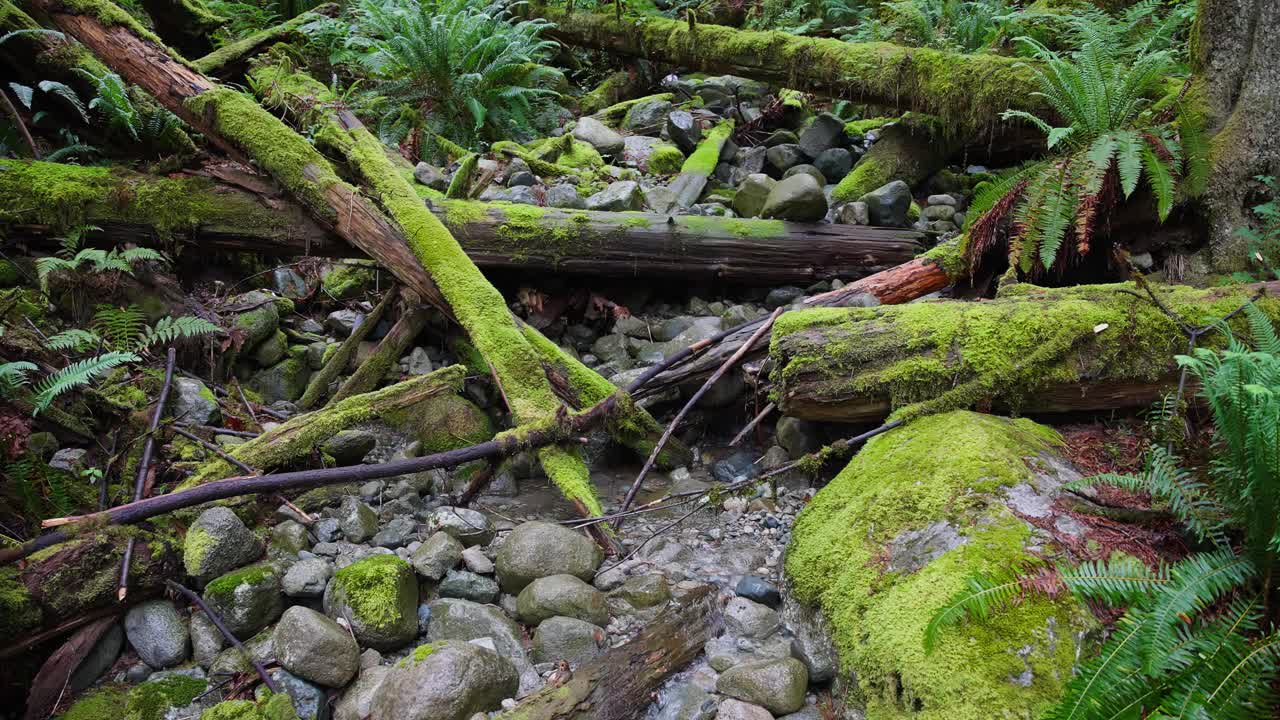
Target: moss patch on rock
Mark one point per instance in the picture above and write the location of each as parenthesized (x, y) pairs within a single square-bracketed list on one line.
[(665, 160), (274, 707), (371, 587), (946, 468), (151, 700)]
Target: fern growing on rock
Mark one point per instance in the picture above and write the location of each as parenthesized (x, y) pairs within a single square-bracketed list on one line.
[(1199, 639), (1113, 141)]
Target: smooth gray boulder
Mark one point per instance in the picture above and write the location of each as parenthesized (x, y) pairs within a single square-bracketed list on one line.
[(747, 618), (646, 116), (247, 599), (798, 198), (565, 638), (823, 133), (357, 700), (217, 543), (464, 620), (378, 597), (348, 447), (731, 709), (798, 437), (357, 521), (604, 139), (206, 639), (618, 197), (468, 586), (564, 196), (777, 685), (437, 556), (158, 633), (539, 549), (445, 681), (853, 213), (834, 164), (310, 701), (752, 193), (307, 578), (193, 402), (98, 660), (563, 595), (431, 176), (809, 170), (286, 380), (781, 158), (684, 130), (467, 526), (316, 648), (888, 204)]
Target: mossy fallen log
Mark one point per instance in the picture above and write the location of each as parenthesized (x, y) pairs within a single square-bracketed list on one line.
[(232, 59), (390, 348), (1031, 350), (967, 91), (318, 385), (884, 546), (39, 200), (427, 407)]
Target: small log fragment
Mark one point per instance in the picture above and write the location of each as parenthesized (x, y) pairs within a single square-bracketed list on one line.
[(144, 463), (372, 371), (231, 60), (319, 383)]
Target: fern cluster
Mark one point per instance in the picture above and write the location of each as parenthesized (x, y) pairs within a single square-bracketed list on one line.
[(125, 329), (456, 68), (1199, 639), (1113, 142), (73, 258)]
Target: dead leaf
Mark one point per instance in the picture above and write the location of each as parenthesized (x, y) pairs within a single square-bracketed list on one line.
[(51, 682)]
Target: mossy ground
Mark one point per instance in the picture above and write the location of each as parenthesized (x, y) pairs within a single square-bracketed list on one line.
[(274, 707), (949, 468)]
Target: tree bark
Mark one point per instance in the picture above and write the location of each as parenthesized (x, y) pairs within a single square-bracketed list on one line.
[(242, 213), (243, 129), (318, 386), (374, 369), (619, 684), (1236, 54), (966, 91), (1032, 351), (916, 278)]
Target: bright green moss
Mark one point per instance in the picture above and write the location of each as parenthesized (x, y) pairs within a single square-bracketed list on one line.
[(150, 700), (707, 154), (666, 160), (18, 611), (301, 434), (944, 468), (348, 279), (867, 175), (273, 707), (913, 212), (616, 114), (578, 155), (950, 257), (866, 125), (371, 587), (792, 99), (740, 227), (224, 586), (233, 51), (105, 703), (460, 183), (9, 275), (195, 547), (420, 653), (445, 422), (71, 195), (948, 355)]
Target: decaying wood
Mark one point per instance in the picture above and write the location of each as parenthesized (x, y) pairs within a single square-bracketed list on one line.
[(319, 383), (51, 681), (618, 684), (230, 60), (390, 348)]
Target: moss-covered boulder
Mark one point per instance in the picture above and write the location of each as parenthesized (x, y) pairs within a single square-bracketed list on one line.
[(896, 534), (275, 707), (378, 596), (247, 599), (665, 160), (348, 279), (217, 543), (259, 317), (149, 701), (286, 380)]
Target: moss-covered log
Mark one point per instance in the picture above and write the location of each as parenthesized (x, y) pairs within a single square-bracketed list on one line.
[(390, 348), (910, 151), (232, 59), (187, 25), (885, 545), (619, 684), (427, 408), (1032, 350), (38, 201), (967, 91)]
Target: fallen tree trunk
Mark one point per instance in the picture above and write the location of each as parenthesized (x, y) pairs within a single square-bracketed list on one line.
[(619, 684), (966, 90), (1032, 350), (930, 272), (906, 151), (374, 369), (37, 199), (318, 385), (243, 129)]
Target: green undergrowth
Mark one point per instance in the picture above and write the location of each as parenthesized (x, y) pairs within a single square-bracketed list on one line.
[(151, 700), (946, 468), (19, 613), (948, 355)]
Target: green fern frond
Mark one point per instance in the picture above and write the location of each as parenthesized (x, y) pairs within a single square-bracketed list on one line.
[(1193, 583), (120, 327), (1122, 580), (76, 375), (983, 596), (75, 340), (169, 329), (13, 375)]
